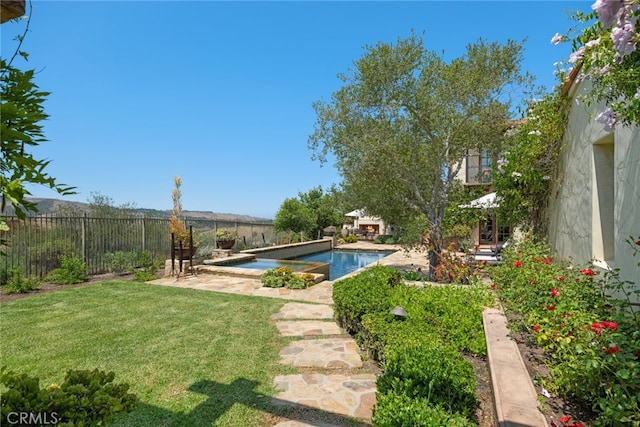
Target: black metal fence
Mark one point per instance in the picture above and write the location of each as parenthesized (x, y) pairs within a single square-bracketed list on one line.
[(36, 245)]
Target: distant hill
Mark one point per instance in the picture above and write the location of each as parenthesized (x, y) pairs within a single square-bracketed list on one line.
[(50, 206)]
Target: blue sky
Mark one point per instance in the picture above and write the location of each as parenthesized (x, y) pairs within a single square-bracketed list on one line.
[(221, 93)]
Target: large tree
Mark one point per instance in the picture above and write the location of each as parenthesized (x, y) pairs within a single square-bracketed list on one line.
[(310, 212), (404, 120)]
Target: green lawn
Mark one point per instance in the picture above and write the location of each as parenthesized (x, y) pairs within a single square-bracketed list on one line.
[(194, 358)]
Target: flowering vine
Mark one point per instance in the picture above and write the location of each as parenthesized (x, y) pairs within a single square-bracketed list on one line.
[(608, 55)]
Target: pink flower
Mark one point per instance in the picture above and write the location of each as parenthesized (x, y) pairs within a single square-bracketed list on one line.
[(554, 292), (557, 39), (517, 264), (607, 11)]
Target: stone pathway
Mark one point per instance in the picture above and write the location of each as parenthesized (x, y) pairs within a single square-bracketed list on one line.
[(322, 345), (333, 386)]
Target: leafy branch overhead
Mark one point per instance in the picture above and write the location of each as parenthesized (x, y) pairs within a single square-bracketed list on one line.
[(22, 112)]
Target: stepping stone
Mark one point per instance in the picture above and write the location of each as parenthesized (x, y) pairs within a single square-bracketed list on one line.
[(296, 310), (323, 353), (292, 328), (351, 395)]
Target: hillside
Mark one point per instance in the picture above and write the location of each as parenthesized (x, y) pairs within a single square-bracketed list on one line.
[(51, 206)]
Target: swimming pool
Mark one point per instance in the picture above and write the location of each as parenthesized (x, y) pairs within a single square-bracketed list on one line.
[(340, 263)]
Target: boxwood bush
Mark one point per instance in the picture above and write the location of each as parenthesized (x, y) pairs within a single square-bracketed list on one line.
[(426, 379)]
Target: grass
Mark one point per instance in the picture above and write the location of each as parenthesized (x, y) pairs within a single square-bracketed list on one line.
[(193, 358)]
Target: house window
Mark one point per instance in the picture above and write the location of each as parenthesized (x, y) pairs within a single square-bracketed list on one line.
[(603, 200), (478, 169), (491, 232)]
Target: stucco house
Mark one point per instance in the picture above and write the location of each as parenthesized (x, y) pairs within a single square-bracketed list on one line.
[(365, 226), (475, 172), (596, 209)]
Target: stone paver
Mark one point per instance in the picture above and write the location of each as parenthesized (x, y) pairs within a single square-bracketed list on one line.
[(352, 395), (513, 391), (322, 353), (296, 310), (291, 328)]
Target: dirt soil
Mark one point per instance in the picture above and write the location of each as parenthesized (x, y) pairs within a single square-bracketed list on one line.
[(534, 358)]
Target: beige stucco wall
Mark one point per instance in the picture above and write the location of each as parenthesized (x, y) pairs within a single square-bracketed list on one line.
[(597, 207)]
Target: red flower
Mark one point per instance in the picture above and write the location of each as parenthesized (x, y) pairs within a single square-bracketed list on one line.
[(561, 278), (638, 242), (596, 327), (532, 281), (610, 325), (638, 354), (554, 292), (551, 307), (565, 419), (547, 260), (517, 264), (611, 350), (588, 272), (537, 328)]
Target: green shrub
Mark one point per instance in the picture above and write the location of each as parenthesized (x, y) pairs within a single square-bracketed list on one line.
[(85, 398), (432, 371), (296, 282), (367, 292), (584, 320), (120, 262), (352, 238), (145, 268), (276, 277), (16, 284), (398, 410), (73, 270)]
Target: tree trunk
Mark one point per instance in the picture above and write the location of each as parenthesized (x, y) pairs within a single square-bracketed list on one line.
[(435, 249)]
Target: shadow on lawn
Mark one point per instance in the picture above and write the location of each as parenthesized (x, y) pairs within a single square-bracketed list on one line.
[(221, 397)]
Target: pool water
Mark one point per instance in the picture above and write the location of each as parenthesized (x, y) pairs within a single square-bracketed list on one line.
[(265, 264), (340, 262), (344, 262)]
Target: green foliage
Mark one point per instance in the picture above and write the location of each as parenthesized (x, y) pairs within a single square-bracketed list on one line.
[(398, 410), (145, 267), (16, 284), (425, 377), (431, 371), (585, 321), (85, 398), (226, 234), (72, 270), (285, 277), (367, 292), (404, 120), (524, 176), (294, 216), (352, 238), (22, 111)]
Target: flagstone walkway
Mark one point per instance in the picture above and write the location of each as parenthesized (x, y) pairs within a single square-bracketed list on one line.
[(322, 345)]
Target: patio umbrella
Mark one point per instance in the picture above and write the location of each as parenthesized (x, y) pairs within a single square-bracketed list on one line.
[(487, 201)]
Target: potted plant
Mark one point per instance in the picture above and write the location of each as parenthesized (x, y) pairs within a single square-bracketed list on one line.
[(225, 238), (184, 246)]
